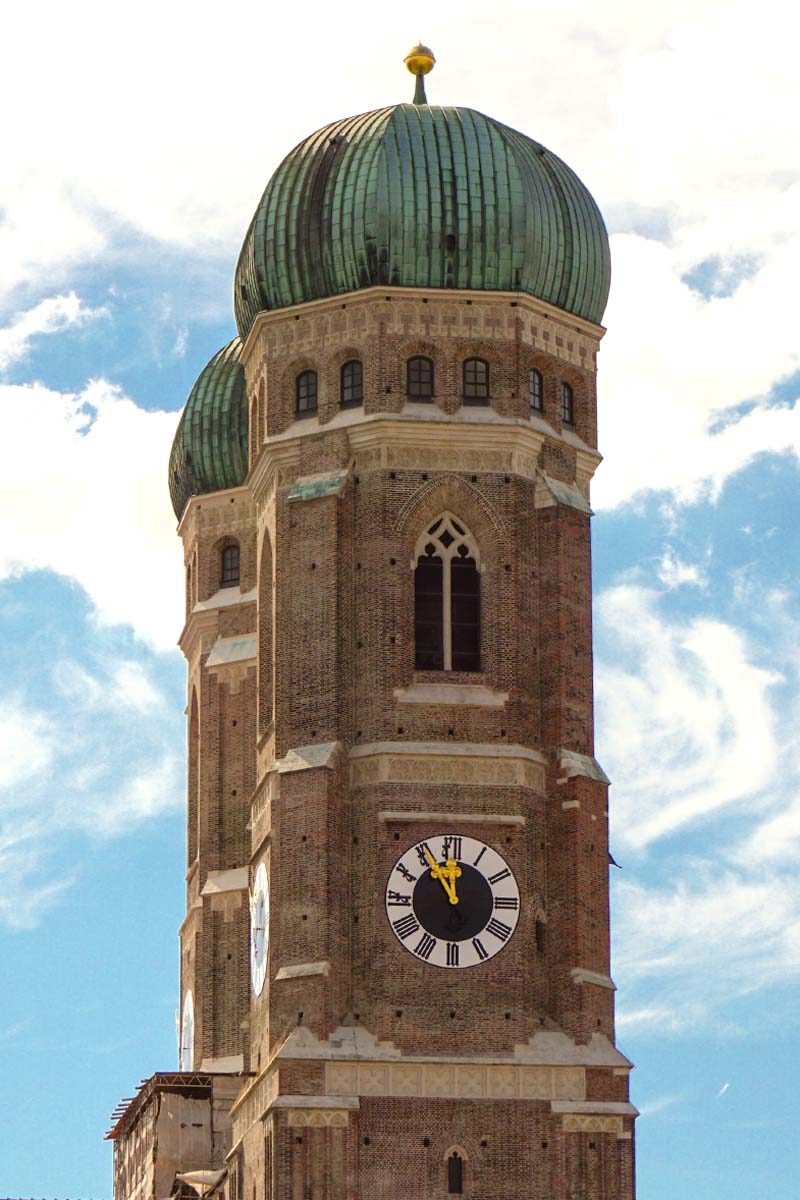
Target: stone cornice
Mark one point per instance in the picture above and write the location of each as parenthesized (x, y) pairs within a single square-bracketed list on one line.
[(468, 440), (453, 297), (205, 502)]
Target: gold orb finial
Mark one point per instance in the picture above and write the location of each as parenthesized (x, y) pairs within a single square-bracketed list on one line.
[(420, 60)]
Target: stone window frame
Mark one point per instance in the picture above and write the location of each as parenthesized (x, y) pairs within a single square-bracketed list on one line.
[(354, 386), (455, 1180), (567, 403), (193, 781), (265, 637), (459, 535), (230, 563), (302, 390), (536, 390), (419, 397), (476, 397)]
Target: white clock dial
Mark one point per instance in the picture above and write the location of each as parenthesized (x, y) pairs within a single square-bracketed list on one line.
[(452, 901), (259, 928), (186, 1047)]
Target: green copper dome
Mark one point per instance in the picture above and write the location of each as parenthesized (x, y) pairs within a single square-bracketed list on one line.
[(420, 196), (210, 447)]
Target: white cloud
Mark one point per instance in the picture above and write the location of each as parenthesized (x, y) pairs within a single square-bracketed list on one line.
[(49, 316), (26, 745), (85, 495), (673, 572), (664, 395), (685, 718), (104, 762), (126, 685), (658, 122), (686, 949), (149, 793)]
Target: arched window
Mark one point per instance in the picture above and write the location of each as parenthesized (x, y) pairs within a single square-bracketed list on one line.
[(193, 782), (420, 378), (229, 566), (476, 381), (305, 394), (567, 405), (536, 389), (265, 637), (352, 384), (447, 598), (455, 1174)]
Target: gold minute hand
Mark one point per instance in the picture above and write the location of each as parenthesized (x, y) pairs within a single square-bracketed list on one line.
[(443, 876)]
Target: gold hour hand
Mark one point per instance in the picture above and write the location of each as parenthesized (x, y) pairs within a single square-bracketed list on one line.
[(444, 875)]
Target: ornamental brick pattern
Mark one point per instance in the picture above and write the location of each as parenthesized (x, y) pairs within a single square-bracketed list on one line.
[(317, 748)]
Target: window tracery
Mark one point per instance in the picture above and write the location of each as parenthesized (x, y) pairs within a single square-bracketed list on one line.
[(455, 1173), (447, 598)]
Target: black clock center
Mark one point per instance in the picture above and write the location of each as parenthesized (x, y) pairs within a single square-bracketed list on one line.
[(454, 922)]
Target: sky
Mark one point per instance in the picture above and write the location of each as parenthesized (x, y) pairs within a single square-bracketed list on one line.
[(136, 142)]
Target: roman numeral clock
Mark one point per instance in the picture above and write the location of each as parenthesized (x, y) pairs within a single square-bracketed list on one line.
[(452, 901)]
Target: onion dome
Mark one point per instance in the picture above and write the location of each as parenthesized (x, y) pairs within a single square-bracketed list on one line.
[(209, 451), (416, 195)]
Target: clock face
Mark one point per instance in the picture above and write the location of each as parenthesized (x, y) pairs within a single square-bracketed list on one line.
[(259, 928), (186, 1047), (452, 901)]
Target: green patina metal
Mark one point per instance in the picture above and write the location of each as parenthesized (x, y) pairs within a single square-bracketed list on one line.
[(209, 451), (412, 195), (416, 195)]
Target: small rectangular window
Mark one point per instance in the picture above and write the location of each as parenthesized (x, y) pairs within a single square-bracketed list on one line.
[(352, 389), (536, 389), (476, 381), (306, 394), (567, 405), (420, 378)]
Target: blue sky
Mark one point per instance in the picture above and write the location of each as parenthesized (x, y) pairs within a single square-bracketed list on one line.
[(129, 176)]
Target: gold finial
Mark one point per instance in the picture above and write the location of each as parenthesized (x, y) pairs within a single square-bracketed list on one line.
[(420, 61)]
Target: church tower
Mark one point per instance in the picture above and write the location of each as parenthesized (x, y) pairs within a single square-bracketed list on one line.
[(395, 975)]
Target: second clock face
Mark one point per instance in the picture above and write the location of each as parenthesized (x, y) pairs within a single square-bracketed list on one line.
[(452, 901), (259, 928)]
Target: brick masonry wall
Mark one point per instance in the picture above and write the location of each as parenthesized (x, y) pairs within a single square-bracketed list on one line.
[(336, 638)]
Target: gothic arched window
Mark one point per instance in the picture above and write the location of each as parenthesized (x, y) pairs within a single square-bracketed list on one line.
[(567, 405), (536, 389), (265, 620), (229, 566), (352, 384), (447, 598), (476, 381), (305, 394), (420, 378), (455, 1174)]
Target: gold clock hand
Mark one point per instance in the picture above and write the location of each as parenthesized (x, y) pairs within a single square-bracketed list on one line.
[(453, 872), (444, 879)]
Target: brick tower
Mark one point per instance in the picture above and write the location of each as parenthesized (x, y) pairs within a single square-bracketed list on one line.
[(395, 974)]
